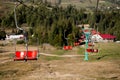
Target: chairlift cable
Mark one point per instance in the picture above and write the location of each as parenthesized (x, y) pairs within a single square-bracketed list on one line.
[(16, 23), (25, 34), (97, 5)]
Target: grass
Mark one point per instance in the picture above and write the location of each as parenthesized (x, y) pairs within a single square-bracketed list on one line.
[(86, 4), (11, 70), (80, 50), (108, 51), (78, 5), (55, 52), (8, 73), (5, 7), (10, 55), (52, 58), (59, 52)]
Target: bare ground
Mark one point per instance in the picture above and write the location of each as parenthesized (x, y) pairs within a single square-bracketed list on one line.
[(70, 68)]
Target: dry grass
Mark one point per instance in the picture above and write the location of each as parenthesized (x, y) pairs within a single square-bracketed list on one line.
[(52, 68), (5, 7), (87, 4)]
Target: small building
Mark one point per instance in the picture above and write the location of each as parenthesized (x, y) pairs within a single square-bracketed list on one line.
[(12, 37), (108, 37), (99, 37), (96, 38)]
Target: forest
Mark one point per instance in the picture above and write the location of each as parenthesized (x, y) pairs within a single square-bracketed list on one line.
[(53, 24)]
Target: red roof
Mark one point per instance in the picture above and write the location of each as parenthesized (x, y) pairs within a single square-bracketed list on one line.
[(107, 36)]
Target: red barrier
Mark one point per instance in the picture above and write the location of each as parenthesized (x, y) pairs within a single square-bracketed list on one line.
[(92, 50), (76, 44), (26, 55), (89, 50), (19, 55), (95, 50), (32, 55), (67, 47)]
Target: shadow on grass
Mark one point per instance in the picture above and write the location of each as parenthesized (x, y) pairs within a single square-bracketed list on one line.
[(100, 57), (2, 51), (8, 73)]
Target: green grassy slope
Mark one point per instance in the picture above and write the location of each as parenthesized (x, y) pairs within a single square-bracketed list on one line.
[(107, 51)]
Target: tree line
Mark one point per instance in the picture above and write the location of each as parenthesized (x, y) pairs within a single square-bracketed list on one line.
[(58, 25)]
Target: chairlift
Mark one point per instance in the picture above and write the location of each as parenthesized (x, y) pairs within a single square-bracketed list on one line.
[(92, 48), (27, 54), (67, 47)]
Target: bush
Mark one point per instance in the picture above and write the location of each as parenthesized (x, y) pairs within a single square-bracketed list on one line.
[(2, 35), (20, 42)]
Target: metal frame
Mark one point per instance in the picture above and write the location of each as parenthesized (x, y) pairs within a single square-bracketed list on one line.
[(24, 32)]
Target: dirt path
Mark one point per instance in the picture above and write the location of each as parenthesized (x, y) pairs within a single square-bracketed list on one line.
[(64, 56)]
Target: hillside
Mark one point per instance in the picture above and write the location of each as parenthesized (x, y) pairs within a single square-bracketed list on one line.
[(6, 5), (102, 66), (91, 4), (51, 29)]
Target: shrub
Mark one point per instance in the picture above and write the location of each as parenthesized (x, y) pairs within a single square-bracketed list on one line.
[(20, 42)]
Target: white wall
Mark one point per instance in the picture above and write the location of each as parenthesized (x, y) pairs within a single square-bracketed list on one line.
[(96, 38)]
